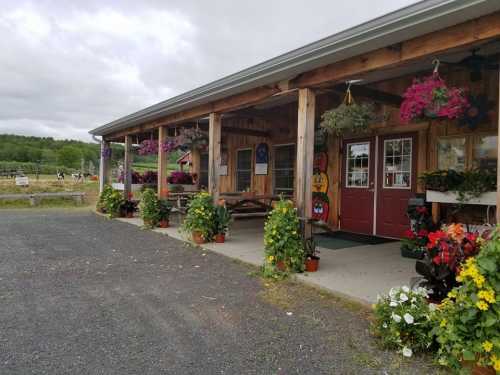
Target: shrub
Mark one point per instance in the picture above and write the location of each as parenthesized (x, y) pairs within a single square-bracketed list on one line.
[(467, 326), (283, 243), (164, 208), (403, 320), (103, 197), (200, 216), (113, 203), (179, 177), (222, 218), (149, 207)]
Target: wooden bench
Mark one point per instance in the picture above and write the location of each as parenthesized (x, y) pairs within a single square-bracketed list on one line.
[(34, 198)]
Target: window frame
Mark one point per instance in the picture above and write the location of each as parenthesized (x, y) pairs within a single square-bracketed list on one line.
[(292, 190), (402, 139), (236, 169), (346, 175)]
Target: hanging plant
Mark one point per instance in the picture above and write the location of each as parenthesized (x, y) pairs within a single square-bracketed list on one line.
[(148, 147), (430, 97), (193, 138), (106, 152), (169, 145), (349, 116)]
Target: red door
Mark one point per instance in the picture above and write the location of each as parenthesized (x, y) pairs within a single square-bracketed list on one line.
[(396, 183), (356, 206)]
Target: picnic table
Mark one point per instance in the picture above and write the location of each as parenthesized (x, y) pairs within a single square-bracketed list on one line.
[(249, 205)]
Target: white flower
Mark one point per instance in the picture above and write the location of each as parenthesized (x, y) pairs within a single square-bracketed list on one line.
[(432, 307), (408, 318), (403, 297), (396, 317), (407, 352), (392, 292), (384, 325), (393, 304), (405, 289), (413, 300)]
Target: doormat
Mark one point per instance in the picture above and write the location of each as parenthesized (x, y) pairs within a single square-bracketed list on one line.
[(341, 240)]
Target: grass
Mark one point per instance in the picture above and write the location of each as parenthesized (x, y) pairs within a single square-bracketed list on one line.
[(48, 184), (142, 167)]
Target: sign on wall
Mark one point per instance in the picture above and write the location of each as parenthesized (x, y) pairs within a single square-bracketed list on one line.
[(261, 159)]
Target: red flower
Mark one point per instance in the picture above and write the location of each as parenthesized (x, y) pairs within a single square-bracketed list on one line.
[(421, 210), (437, 259), (435, 237), (409, 234), (422, 233)]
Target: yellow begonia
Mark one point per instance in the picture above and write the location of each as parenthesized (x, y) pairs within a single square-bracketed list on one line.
[(270, 258), (496, 362), (487, 295), (479, 281), (481, 305), (487, 346)]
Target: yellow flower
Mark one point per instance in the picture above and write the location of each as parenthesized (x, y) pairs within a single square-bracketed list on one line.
[(270, 258), (479, 281), (496, 362), (443, 323), (487, 346), (487, 295), (284, 210), (481, 305), (452, 294)]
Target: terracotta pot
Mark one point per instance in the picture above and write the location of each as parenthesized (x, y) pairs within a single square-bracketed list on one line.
[(312, 264), (478, 370), (280, 265), (220, 238), (130, 214), (164, 223), (197, 237)]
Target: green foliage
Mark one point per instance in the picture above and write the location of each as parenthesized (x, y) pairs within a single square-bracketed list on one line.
[(222, 218), (164, 209), (468, 322), (69, 156), (149, 208), (283, 242), (103, 198), (113, 203), (200, 216), (353, 118), (403, 320), (469, 184)]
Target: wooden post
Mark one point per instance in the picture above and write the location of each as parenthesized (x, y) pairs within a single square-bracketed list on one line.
[(195, 165), (104, 165), (127, 168), (214, 136), (162, 164), (305, 155)]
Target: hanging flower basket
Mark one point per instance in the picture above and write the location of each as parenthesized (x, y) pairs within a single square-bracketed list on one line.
[(349, 116), (193, 138), (106, 152), (430, 97), (148, 147)]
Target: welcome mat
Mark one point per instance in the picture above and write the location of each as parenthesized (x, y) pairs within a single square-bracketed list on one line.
[(341, 240)]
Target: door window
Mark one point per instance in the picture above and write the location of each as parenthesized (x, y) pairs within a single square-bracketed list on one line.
[(244, 170), (204, 171), (397, 163), (284, 161), (358, 162)]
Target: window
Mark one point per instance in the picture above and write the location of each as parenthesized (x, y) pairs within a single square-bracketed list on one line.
[(397, 163), (451, 153), (203, 171), (283, 171), (244, 170), (358, 161), (484, 152)]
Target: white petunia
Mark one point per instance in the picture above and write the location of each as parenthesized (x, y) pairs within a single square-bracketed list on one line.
[(407, 352), (408, 318), (396, 317), (392, 292), (384, 325), (403, 297), (432, 307), (405, 289), (393, 304)]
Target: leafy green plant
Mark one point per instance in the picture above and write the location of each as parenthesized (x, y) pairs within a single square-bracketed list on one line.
[(403, 320), (164, 209), (113, 203), (284, 249), (128, 206), (467, 323), (348, 117), (103, 197), (221, 219), (149, 208), (200, 216)]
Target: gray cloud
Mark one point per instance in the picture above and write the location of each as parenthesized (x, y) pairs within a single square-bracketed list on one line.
[(67, 67)]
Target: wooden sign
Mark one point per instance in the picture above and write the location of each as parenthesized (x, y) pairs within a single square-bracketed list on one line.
[(320, 161), (320, 207)]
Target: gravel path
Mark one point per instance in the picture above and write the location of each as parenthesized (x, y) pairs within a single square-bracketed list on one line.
[(80, 294)]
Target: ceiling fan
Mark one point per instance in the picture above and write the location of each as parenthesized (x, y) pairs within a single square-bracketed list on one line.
[(476, 64)]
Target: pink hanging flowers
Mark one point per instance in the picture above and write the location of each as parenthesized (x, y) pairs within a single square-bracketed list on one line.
[(148, 147), (431, 98)]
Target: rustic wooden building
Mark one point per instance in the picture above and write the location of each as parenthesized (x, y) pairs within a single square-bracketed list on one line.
[(263, 121)]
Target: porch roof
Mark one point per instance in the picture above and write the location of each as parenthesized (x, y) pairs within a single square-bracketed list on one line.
[(395, 27)]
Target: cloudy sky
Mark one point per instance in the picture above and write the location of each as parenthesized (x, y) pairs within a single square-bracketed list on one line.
[(69, 66)]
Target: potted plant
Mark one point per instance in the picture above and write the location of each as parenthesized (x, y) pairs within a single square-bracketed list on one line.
[(149, 208), (128, 208), (284, 249), (221, 223), (113, 203), (312, 256), (179, 180), (103, 197), (164, 209), (467, 321), (199, 220)]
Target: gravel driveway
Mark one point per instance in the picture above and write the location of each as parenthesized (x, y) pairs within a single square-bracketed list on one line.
[(81, 294)]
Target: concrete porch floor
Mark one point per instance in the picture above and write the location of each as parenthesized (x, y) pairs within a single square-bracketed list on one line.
[(359, 273)]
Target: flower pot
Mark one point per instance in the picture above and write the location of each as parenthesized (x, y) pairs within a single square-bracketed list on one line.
[(220, 238), (312, 264), (198, 237), (478, 370), (164, 223), (280, 265)]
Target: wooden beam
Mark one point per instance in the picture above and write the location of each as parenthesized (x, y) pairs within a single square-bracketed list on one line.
[(248, 132), (195, 164), (127, 167), (462, 35), (230, 103), (162, 164), (305, 154), (104, 169), (370, 93), (214, 137)]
